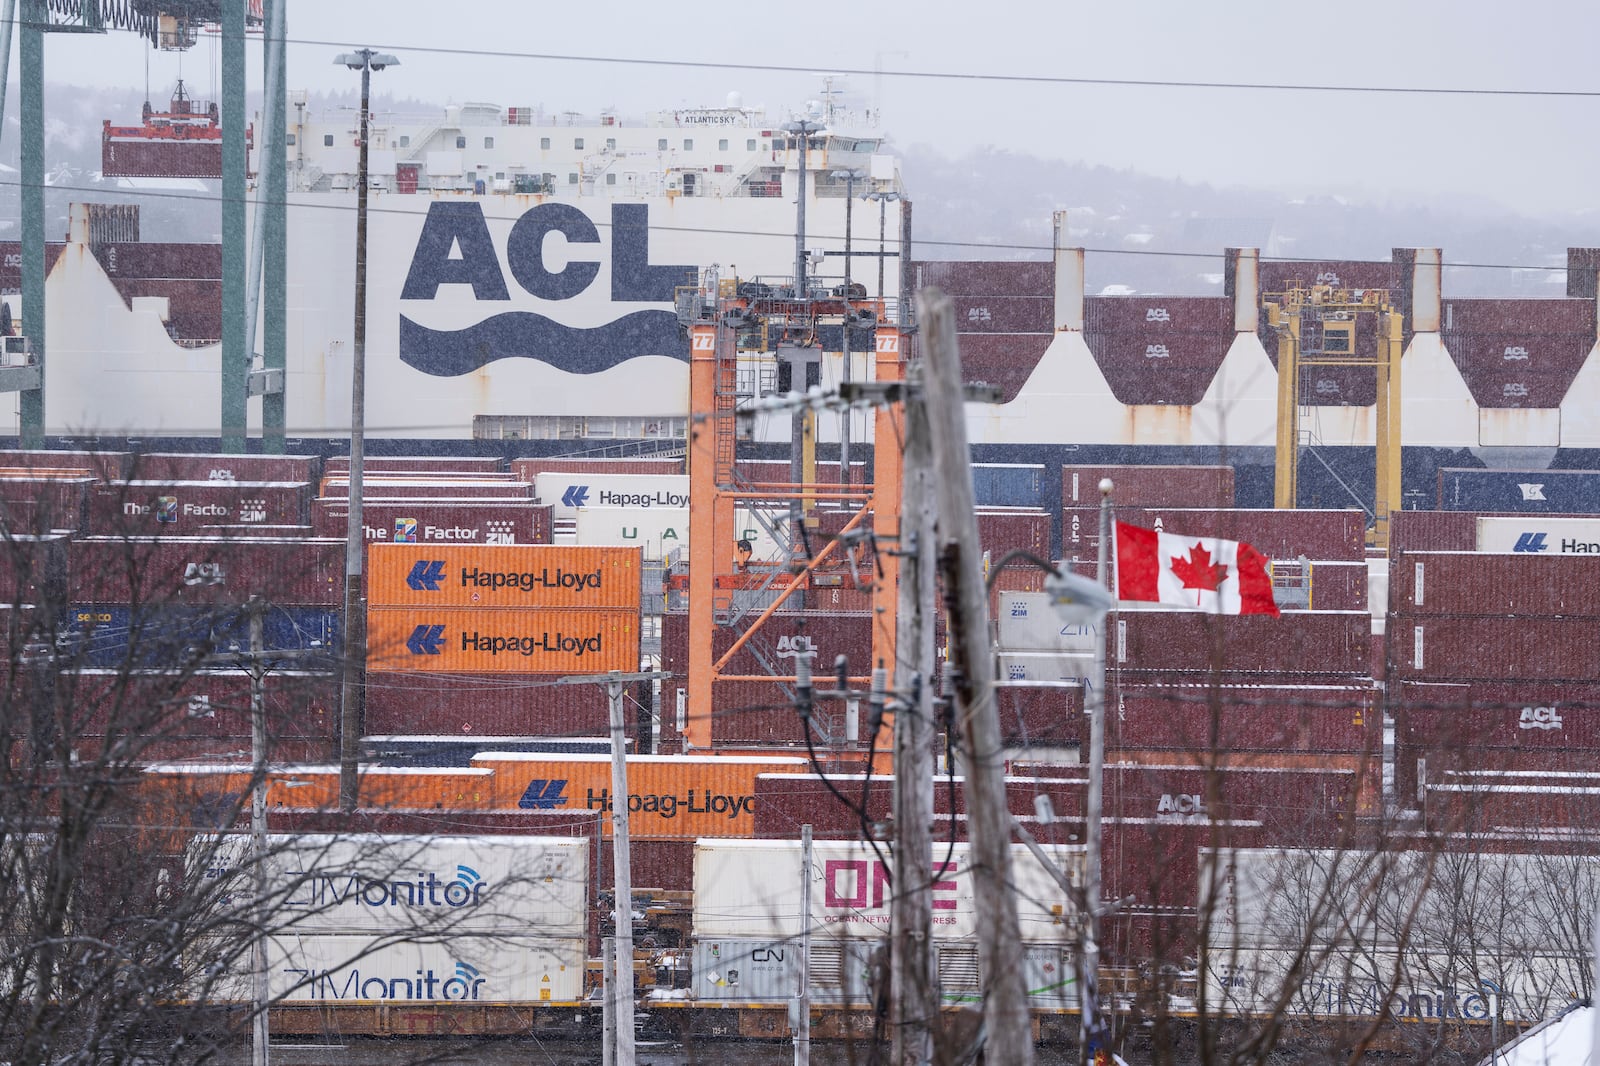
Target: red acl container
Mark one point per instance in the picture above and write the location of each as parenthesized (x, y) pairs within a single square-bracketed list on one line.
[(1441, 648), (528, 469), (153, 508), (184, 466), (1036, 717), (1308, 642), (1482, 583), (38, 505), (1487, 716), (406, 464), (1241, 718), (157, 570), (437, 521), (1148, 486), (1014, 528), (490, 705), (394, 488)]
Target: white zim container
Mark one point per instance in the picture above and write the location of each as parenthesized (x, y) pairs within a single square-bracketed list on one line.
[(751, 889), (1027, 622), (472, 970), (1046, 667), (428, 886)]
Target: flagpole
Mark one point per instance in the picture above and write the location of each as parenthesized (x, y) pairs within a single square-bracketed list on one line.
[(1092, 1029)]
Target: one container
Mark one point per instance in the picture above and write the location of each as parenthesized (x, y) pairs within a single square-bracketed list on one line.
[(399, 487), (1486, 584), (436, 521), (1520, 491), (1008, 484), (669, 797), (1478, 716), (1318, 535), (39, 504), (159, 703), (209, 569), (190, 791), (753, 887), (1028, 622), (229, 532), (1159, 349), (534, 577), (1149, 486), (1309, 642), (388, 464), (1492, 649), (461, 640), (154, 508), (1011, 529), (185, 466), (660, 531), (491, 704)]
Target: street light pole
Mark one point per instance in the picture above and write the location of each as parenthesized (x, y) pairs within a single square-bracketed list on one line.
[(801, 129), (883, 196), (355, 638), (847, 373)]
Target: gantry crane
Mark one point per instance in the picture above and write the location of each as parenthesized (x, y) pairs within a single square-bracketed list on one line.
[(1316, 326), (723, 320)]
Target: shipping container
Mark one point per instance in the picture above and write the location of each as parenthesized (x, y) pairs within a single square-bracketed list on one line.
[(1486, 584), (491, 704), (1520, 491), (1034, 716), (436, 521), (37, 505), (1008, 484), (1244, 718), (452, 883), (163, 635), (751, 888), (420, 749), (570, 492), (529, 468), (1477, 718), (33, 568), (777, 472), (152, 508), (100, 466), (419, 464), (500, 640), (1046, 667), (157, 704), (227, 532), (832, 804), (660, 531), (1541, 535), (1528, 648), (1451, 531), (1148, 486), (184, 466), (195, 791), (475, 970), (535, 577), (157, 571), (383, 487), (669, 797), (1014, 529), (1028, 622), (1307, 642)]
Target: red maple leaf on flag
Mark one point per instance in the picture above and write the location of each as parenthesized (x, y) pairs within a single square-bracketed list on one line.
[(1197, 571)]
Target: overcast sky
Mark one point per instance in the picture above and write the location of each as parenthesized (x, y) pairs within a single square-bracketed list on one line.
[(940, 61)]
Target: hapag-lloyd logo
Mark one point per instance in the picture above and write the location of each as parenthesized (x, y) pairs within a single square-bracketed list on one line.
[(455, 248)]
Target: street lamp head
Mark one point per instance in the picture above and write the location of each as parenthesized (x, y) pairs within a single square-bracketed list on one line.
[(1077, 598), (384, 59), (366, 57), (883, 195)]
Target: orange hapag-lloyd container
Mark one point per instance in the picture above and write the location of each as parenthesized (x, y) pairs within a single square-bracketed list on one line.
[(204, 794), (670, 797), (502, 642), (503, 575)]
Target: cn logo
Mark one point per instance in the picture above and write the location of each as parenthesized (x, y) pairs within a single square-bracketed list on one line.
[(1532, 490), (704, 341), (1539, 718), (1530, 542)]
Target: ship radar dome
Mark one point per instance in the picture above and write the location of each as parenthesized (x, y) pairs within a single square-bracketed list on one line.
[(735, 100)]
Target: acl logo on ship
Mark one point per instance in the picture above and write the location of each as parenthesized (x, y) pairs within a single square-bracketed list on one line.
[(455, 248)]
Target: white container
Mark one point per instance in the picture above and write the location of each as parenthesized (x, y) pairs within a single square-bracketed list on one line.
[(1046, 667), (475, 970), (1542, 536), (661, 530), (570, 493), (751, 889), (1028, 622), (426, 885)]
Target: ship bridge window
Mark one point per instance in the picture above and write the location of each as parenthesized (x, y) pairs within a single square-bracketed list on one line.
[(289, 140), (750, 145), (405, 140), (327, 140), (488, 142), (577, 143), (611, 144), (661, 145), (611, 179), (461, 142), (688, 144), (544, 142), (722, 145), (572, 178)]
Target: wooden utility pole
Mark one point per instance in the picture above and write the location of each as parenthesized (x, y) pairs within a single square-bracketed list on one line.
[(1005, 1003), (915, 998)]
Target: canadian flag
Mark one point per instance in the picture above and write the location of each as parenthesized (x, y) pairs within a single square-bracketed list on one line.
[(1196, 573)]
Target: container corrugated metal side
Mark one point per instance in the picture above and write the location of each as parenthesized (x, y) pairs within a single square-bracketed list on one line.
[(375, 884), (670, 797), (1318, 535), (1520, 491), (186, 466), (529, 467), (1239, 718), (1305, 642), (1040, 717), (1148, 486), (38, 505), (1026, 621), (1545, 803), (103, 466), (1488, 584), (436, 521), (193, 789), (158, 704), (490, 704), (538, 577), (1008, 484), (394, 488), (1025, 529), (1295, 798), (776, 472), (787, 802), (1432, 531), (569, 493), (763, 712), (442, 749), (155, 508), (752, 888), (385, 464), (207, 569), (1446, 648), (500, 640), (154, 636), (227, 532), (1484, 716), (33, 568), (462, 971), (1340, 586)]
